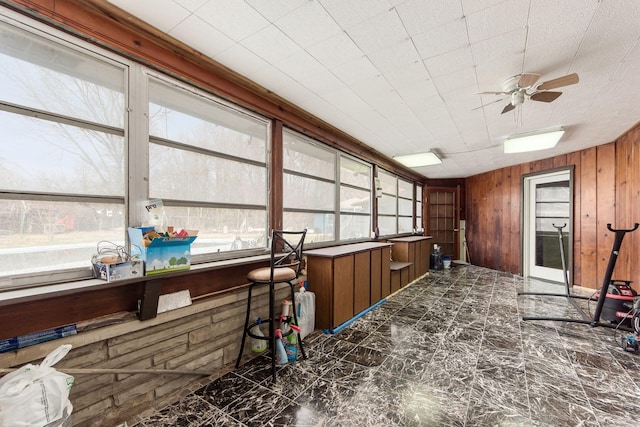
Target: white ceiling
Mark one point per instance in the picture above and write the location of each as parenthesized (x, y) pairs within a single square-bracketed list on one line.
[(402, 75)]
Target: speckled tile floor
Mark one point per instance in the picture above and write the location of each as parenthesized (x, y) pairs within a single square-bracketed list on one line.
[(450, 349)]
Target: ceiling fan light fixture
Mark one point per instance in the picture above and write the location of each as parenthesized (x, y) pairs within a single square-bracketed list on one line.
[(533, 141), (428, 158)]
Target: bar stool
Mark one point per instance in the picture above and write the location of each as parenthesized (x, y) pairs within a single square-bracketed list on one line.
[(285, 265)]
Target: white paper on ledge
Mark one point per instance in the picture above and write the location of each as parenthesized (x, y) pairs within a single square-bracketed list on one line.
[(175, 300)]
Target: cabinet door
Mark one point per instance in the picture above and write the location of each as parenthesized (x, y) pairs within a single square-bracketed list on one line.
[(320, 278), (385, 270), (342, 289), (411, 250), (362, 282), (422, 257), (376, 277)]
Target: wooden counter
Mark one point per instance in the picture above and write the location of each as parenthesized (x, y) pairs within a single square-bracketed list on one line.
[(413, 249), (347, 279)]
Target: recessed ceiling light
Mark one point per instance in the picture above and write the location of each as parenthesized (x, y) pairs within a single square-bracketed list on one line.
[(421, 159), (533, 141)]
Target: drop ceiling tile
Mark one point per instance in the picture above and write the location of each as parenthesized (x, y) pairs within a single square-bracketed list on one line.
[(321, 108), (473, 6), (491, 75), (461, 100), (397, 56), (420, 15), (449, 62), (309, 72), (335, 50), (162, 14), (603, 50), (571, 20), (408, 75), (627, 72), (433, 116), (372, 87), (190, 5), (436, 41), (356, 70), (309, 24), (242, 60), (271, 44), (346, 98), (553, 60), (420, 95), (353, 12), (387, 103), (235, 18), (493, 21), (510, 44), (273, 10), (379, 32), (404, 119), (201, 36), (299, 95)]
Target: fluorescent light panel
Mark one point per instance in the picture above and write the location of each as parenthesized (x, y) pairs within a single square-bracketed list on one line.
[(421, 159), (532, 141)]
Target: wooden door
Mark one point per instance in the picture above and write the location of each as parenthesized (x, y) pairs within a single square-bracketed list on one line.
[(443, 219)]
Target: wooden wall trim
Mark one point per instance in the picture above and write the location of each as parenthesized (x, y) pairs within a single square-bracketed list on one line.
[(606, 189), (46, 311)]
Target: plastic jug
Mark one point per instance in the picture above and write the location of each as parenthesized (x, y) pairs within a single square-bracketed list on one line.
[(305, 306), (258, 345)]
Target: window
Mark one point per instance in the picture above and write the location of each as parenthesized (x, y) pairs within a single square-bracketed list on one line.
[(208, 164), (62, 183), (355, 199), (396, 206), (309, 188), (419, 224), (405, 206), (333, 206), (74, 178), (388, 204)]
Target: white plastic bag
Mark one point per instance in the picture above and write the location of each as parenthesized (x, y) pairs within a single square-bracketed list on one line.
[(36, 395), (305, 306)]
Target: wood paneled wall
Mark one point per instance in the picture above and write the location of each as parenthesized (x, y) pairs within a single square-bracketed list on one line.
[(606, 190)]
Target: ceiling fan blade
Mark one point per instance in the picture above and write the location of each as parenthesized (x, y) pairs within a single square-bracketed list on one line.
[(528, 79), (569, 79), (545, 96), (488, 103), (490, 93), (508, 108)]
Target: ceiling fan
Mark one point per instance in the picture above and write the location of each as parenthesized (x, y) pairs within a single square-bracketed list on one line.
[(521, 86)]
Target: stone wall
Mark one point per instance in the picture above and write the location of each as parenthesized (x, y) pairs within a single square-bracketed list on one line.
[(204, 336)]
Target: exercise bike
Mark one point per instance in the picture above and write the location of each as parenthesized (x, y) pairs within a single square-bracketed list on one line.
[(594, 321)]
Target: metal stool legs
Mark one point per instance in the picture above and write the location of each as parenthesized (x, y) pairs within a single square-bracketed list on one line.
[(271, 336)]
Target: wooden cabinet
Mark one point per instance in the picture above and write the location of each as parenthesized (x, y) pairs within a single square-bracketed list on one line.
[(347, 280), (414, 250)]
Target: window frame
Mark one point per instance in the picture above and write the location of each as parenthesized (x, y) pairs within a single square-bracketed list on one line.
[(139, 215), (56, 37)]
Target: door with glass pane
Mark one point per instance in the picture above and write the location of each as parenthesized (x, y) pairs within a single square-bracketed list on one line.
[(443, 219), (547, 205)]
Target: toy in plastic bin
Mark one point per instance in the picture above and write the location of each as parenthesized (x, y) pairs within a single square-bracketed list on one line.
[(162, 252)]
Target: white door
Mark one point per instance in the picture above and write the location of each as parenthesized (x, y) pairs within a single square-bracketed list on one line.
[(547, 205)]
